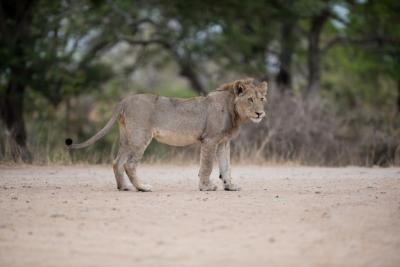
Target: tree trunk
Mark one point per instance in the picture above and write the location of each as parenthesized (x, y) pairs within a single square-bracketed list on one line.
[(284, 77), (12, 108), (189, 73), (16, 17), (314, 52)]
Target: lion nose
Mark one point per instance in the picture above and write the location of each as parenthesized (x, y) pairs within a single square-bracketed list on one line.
[(259, 114)]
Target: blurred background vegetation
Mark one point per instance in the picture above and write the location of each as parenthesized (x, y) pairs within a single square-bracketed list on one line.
[(333, 68)]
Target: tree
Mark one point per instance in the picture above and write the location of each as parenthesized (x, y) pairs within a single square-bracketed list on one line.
[(373, 29), (15, 20), (37, 47), (317, 23), (284, 76)]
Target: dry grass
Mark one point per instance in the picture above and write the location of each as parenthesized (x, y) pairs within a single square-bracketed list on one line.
[(312, 132)]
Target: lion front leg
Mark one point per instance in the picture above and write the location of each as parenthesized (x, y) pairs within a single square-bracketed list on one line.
[(224, 162), (207, 155)]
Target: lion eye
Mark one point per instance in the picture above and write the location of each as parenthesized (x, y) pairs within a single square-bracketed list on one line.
[(262, 99), (251, 100)]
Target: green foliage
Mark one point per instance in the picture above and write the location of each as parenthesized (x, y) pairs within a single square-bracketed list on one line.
[(371, 88), (177, 92)]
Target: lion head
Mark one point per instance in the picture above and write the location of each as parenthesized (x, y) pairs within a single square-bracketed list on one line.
[(250, 98)]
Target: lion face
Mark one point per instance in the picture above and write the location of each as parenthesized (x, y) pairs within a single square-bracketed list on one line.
[(250, 99)]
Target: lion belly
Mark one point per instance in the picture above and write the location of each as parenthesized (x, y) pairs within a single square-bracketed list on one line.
[(175, 138)]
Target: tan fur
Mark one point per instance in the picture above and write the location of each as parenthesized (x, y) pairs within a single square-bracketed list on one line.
[(212, 120)]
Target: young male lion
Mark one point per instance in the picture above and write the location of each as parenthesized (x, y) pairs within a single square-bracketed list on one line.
[(211, 120)]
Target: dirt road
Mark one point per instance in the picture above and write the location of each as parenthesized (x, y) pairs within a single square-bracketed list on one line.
[(284, 216)]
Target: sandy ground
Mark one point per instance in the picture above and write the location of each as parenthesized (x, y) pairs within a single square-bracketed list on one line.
[(284, 216)]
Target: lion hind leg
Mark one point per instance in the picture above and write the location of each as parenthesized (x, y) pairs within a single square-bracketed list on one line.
[(123, 183), (138, 145), (130, 168)]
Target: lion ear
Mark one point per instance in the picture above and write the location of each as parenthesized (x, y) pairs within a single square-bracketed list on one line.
[(239, 88), (264, 87)]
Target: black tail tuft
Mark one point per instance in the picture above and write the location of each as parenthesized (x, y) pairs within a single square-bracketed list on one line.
[(68, 141)]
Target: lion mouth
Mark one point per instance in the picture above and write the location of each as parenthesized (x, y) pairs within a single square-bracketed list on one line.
[(256, 120)]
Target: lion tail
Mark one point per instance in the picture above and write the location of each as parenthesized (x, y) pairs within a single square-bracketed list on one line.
[(98, 135)]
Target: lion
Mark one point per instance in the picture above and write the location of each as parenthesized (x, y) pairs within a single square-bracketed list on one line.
[(211, 120)]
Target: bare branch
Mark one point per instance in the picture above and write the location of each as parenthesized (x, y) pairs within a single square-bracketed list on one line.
[(334, 41), (375, 41), (93, 51), (338, 18)]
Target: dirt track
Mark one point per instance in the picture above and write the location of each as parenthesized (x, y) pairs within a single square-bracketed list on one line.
[(284, 216)]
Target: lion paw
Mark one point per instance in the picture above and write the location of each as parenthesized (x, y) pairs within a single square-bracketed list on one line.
[(231, 187), (144, 188), (207, 187)]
